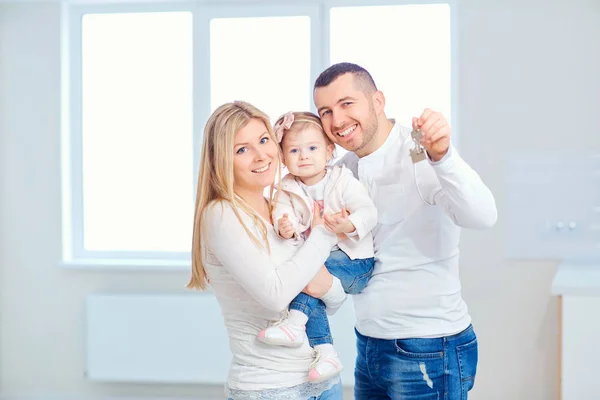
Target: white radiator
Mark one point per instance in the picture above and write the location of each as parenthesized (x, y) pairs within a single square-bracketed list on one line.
[(156, 338), (167, 338)]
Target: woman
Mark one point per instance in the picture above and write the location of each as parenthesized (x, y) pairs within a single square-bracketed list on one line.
[(253, 272)]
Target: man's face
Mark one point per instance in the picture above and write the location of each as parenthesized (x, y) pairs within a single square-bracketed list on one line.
[(347, 113)]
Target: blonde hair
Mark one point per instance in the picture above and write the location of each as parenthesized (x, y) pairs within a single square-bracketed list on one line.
[(215, 179), (303, 120)]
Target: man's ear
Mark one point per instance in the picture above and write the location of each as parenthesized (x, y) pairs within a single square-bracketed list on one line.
[(378, 102), (330, 151)]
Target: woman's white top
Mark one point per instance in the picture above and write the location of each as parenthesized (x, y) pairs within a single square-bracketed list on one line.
[(255, 288)]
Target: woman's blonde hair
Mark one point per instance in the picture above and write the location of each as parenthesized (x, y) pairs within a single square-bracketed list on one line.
[(215, 179), (303, 120)]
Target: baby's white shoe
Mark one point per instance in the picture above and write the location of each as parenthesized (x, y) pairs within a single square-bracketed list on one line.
[(324, 367), (283, 333)]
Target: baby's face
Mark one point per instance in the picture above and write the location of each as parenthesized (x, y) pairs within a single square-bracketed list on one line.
[(306, 153)]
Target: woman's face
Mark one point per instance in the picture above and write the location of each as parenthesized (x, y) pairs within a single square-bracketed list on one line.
[(255, 158)]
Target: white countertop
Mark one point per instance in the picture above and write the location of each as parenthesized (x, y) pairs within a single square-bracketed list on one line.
[(577, 279)]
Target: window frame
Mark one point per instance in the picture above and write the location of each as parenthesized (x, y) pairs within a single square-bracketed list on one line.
[(74, 254)]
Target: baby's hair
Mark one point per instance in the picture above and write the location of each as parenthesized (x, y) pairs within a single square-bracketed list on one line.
[(303, 120)]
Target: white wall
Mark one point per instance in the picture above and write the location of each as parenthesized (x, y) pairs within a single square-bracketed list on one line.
[(41, 305), (528, 83)]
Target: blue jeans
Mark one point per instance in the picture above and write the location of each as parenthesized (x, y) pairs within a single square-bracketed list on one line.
[(354, 275), (335, 393), (411, 369)]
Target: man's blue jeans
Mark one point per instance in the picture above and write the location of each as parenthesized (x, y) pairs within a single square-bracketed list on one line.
[(411, 369), (354, 275)]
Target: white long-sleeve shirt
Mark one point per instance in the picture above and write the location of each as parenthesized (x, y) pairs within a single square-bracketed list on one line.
[(254, 288), (415, 290)]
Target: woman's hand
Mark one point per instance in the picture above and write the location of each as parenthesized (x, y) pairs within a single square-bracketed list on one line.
[(320, 284)]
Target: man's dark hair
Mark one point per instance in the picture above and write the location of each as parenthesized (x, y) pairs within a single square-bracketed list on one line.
[(362, 78)]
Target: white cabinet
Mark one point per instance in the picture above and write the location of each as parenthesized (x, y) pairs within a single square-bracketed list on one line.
[(578, 288)]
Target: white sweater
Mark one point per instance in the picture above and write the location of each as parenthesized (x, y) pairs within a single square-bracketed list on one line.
[(415, 290), (253, 288), (342, 190)]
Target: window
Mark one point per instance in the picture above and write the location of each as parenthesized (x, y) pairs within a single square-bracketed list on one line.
[(143, 79), (135, 135), (272, 72), (137, 131), (406, 49)]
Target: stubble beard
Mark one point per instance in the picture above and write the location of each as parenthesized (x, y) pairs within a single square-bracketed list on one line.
[(369, 131)]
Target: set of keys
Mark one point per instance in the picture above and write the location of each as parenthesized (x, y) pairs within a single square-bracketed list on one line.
[(418, 153)]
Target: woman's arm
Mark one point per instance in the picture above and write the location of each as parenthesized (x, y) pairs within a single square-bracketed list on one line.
[(328, 289), (272, 285)]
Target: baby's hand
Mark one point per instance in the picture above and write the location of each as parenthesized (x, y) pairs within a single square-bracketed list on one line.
[(286, 229), (339, 223)]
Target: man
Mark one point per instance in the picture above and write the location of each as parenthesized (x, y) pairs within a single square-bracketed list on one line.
[(414, 333)]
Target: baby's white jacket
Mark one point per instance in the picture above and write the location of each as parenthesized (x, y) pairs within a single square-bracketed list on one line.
[(342, 190)]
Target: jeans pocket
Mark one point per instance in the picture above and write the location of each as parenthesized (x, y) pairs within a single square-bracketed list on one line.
[(415, 372), (403, 351), (467, 355)]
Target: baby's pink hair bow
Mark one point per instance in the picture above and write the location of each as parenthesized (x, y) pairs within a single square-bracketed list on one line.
[(280, 128)]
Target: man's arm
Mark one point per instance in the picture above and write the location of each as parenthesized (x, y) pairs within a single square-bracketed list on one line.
[(462, 194)]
